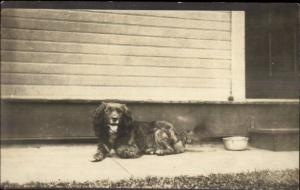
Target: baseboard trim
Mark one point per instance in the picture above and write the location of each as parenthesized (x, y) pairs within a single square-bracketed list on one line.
[(92, 101)]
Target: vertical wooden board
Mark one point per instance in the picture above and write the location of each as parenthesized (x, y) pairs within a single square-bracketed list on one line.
[(298, 43), (238, 55)]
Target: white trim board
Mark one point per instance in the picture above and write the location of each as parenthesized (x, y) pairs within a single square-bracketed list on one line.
[(238, 87)]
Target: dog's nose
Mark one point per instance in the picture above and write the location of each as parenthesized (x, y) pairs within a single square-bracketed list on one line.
[(114, 118)]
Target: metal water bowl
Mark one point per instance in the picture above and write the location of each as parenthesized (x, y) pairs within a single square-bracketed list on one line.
[(235, 143)]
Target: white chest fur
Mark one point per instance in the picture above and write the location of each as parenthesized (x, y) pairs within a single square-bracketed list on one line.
[(112, 133), (113, 128)]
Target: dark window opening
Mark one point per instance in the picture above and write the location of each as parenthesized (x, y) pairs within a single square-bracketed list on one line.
[(272, 50)]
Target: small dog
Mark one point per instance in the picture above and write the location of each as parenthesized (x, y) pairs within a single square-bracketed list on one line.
[(162, 138), (115, 128), (112, 123)]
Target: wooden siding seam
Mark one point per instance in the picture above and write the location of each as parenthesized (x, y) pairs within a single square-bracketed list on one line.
[(13, 56), (114, 23), (81, 32), (98, 93), (136, 14), (103, 85), (86, 64), (96, 64), (143, 15), (175, 37), (6, 31), (116, 44), (130, 55), (73, 99), (112, 75)]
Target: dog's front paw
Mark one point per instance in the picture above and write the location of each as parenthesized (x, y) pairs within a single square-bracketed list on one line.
[(149, 151), (130, 154), (99, 156), (127, 151), (159, 152)]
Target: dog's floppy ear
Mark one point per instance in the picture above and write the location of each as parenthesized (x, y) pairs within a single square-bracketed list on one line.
[(99, 119), (126, 120)]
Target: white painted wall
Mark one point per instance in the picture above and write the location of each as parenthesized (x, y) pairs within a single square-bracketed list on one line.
[(123, 55)]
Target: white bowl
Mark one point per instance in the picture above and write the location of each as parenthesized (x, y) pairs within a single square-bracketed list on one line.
[(235, 143)]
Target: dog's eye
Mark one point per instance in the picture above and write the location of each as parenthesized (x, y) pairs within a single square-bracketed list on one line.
[(107, 110), (119, 110)]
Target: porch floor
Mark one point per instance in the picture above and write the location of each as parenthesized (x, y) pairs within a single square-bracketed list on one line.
[(45, 163)]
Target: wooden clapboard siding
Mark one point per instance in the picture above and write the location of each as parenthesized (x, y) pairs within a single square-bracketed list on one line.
[(94, 38), (221, 16), (50, 57), (59, 47), (110, 17), (105, 92), (104, 54), (94, 80), (110, 28), (77, 69)]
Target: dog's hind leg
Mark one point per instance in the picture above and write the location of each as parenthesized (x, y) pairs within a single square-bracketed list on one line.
[(164, 149)]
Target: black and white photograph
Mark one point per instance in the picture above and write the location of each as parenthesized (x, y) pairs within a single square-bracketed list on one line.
[(173, 95)]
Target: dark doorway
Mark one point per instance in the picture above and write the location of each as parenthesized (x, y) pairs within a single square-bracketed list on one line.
[(271, 51)]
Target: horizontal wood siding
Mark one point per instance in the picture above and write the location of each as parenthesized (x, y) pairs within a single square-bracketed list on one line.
[(125, 55)]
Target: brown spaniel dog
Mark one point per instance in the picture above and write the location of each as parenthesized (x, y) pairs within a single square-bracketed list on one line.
[(114, 126), (159, 137)]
